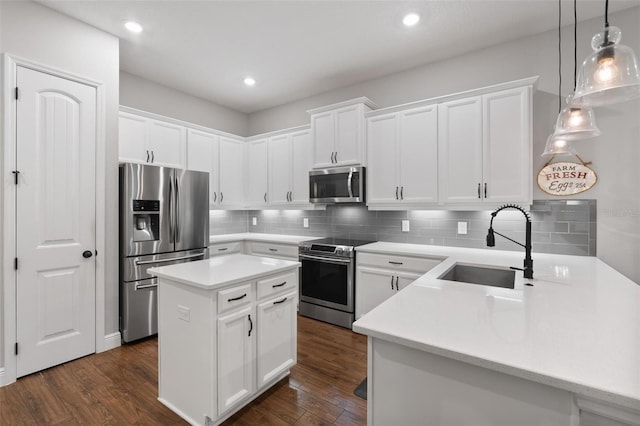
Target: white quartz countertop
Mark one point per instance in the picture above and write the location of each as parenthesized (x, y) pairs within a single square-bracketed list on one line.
[(577, 328), (221, 271), (252, 236)]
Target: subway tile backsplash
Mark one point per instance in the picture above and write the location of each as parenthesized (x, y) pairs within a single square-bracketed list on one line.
[(559, 226)]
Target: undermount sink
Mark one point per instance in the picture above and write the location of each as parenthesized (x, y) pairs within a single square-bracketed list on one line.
[(484, 275)]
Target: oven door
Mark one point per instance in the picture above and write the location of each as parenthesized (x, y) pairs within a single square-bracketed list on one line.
[(327, 281)]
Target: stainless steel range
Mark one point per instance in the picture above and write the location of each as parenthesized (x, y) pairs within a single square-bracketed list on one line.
[(327, 279)]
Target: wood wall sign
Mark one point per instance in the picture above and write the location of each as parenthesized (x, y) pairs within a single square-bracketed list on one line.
[(566, 178)]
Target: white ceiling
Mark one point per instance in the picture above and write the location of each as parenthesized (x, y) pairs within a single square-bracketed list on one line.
[(298, 48)]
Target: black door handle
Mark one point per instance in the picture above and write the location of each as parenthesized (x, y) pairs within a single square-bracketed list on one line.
[(87, 254)]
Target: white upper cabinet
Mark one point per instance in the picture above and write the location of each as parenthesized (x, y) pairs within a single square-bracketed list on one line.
[(202, 155), (231, 173), (485, 149), (257, 186), (338, 133), (150, 141), (289, 164), (403, 158)]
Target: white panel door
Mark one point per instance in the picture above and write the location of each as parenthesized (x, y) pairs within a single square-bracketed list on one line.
[(419, 155), (382, 173), (167, 144), (349, 122), (257, 182), (132, 135), (231, 173), (236, 334), (301, 164), (323, 131), (460, 150), (56, 140), (202, 156), (276, 337), (507, 146), (279, 170)]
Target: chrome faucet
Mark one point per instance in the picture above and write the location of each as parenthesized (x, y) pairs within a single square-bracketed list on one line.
[(491, 239)]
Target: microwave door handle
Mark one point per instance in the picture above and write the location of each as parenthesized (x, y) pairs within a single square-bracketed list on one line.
[(349, 179)]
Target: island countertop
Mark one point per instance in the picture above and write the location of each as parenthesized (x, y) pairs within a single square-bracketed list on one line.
[(576, 328), (221, 271)]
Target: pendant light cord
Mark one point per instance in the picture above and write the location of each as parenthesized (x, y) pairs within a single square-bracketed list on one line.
[(606, 23), (560, 56), (575, 44)]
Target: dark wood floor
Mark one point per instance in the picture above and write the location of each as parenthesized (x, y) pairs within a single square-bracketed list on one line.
[(120, 387)]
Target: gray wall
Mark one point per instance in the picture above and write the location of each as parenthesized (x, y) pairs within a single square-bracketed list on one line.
[(34, 32), (615, 154), (140, 93), (559, 226)]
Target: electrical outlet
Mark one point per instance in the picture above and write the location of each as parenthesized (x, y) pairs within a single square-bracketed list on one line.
[(184, 313), (462, 228), (305, 222), (405, 226), (254, 221)]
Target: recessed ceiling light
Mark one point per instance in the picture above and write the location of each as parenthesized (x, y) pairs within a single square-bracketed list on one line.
[(249, 81), (410, 19), (133, 26)]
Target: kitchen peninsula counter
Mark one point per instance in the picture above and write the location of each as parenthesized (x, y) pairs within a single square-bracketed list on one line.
[(564, 350)]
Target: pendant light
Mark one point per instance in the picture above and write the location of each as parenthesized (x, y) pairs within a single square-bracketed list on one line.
[(576, 122), (610, 73), (558, 145)]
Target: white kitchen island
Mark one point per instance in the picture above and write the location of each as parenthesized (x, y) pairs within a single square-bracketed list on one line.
[(226, 333), (565, 351)]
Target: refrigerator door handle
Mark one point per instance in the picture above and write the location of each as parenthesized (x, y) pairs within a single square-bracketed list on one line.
[(173, 259), (177, 212), (171, 230)]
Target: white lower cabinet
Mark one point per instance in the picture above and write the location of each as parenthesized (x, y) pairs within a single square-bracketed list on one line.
[(220, 349), (226, 248), (380, 276), (269, 249)]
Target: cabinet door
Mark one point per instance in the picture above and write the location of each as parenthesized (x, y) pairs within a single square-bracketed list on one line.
[(349, 139), (507, 146), (460, 150), (276, 337), (419, 155), (167, 144), (382, 172), (202, 156), (279, 169), (132, 138), (257, 183), (403, 280), (373, 286), (236, 334), (231, 173), (300, 166), (323, 133)]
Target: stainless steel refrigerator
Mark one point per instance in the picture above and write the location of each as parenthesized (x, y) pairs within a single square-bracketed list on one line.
[(164, 219)]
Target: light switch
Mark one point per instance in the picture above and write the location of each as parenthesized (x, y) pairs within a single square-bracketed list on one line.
[(462, 228), (184, 313), (405, 226), (254, 221), (305, 222)]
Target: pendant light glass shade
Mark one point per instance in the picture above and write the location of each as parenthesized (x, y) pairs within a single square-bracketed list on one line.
[(610, 73), (558, 146), (576, 122)]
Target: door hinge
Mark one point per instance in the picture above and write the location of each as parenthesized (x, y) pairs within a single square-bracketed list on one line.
[(16, 348), (17, 92), (15, 176), (15, 263)]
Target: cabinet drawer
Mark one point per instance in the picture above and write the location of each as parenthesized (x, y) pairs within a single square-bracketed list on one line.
[(225, 248), (277, 283), (398, 262), (234, 297), (284, 251)]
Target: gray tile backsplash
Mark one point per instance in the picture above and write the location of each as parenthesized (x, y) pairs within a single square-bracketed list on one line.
[(559, 226)]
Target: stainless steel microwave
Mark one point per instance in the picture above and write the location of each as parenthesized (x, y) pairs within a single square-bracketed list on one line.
[(337, 185)]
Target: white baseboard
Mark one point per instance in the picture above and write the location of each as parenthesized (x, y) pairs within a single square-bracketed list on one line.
[(4, 381), (111, 341)]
